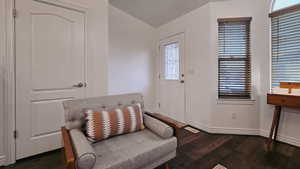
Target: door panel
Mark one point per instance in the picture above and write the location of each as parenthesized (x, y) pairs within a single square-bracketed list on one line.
[(47, 51), (46, 117), (50, 60), (171, 83)]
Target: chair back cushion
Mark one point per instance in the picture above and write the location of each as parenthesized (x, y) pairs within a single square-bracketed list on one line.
[(74, 109), (105, 124)]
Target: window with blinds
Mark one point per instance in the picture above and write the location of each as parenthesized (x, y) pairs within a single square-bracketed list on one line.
[(285, 27), (234, 58)]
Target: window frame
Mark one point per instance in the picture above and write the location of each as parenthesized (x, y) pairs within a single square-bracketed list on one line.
[(282, 10), (233, 99)]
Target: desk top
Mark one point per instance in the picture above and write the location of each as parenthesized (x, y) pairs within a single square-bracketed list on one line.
[(280, 97), (283, 91)]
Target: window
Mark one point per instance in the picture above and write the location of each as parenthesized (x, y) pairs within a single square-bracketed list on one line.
[(280, 4), (285, 27), (172, 61), (234, 58)]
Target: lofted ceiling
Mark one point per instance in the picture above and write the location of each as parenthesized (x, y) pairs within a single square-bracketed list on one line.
[(157, 12)]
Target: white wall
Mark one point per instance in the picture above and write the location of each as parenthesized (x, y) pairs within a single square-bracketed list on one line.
[(197, 63), (131, 56), (203, 109), (260, 45), (247, 115)]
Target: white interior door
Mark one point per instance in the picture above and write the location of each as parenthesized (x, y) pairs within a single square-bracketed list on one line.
[(50, 68), (171, 78)]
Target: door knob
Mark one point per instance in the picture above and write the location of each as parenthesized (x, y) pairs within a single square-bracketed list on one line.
[(79, 85), (181, 81)]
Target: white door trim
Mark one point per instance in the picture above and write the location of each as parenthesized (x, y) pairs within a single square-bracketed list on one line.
[(9, 87), (9, 67)]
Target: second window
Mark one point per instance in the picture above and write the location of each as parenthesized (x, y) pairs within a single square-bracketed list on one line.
[(234, 58)]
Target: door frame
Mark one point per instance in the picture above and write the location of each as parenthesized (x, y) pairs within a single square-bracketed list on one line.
[(9, 87), (9, 67), (182, 37)]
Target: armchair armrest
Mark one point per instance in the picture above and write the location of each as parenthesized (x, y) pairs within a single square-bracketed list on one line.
[(83, 150), (158, 127), (79, 154), (68, 152), (176, 125)]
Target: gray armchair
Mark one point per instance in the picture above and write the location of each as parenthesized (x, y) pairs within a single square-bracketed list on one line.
[(146, 149)]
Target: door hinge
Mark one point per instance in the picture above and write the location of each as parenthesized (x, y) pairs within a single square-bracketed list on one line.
[(158, 105), (159, 76), (15, 134), (14, 12)]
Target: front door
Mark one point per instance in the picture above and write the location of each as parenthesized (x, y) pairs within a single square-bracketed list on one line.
[(171, 78), (50, 68)]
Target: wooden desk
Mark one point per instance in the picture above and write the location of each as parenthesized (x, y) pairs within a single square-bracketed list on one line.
[(281, 100)]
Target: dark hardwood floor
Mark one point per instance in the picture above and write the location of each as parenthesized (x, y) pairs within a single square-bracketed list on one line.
[(203, 151)]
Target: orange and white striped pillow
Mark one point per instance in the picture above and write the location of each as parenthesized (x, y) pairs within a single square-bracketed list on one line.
[(105, 124)]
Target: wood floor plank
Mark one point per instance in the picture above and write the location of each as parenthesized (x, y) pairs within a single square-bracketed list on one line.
[(206, 148)]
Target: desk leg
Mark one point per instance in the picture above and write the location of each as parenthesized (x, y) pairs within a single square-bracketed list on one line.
[(274, 127), (277, 121)]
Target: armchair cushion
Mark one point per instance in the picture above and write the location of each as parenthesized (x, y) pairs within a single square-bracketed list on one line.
[(158, 127), (139, 150), (85, 155)]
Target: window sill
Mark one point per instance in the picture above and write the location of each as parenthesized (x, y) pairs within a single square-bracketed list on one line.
[(236, 101)]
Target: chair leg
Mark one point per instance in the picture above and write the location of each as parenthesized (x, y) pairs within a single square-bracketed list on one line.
[(167, 166)]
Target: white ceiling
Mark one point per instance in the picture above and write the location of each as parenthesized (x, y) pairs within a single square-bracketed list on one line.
[(157, 12)]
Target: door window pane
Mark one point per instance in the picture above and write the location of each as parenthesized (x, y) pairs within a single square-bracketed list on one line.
[(172, 61)]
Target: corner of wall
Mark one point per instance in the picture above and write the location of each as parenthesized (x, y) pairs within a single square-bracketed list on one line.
[(282, 138)]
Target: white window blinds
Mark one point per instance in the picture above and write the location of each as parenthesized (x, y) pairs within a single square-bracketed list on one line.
[(285, 46)]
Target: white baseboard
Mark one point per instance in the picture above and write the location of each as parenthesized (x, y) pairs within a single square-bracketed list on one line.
[(282, 138), (2, 160), (201, 127), (227, 130), (237, 131), (247, 131)]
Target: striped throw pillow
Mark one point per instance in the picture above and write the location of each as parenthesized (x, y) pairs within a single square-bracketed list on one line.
[(105, 124)]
